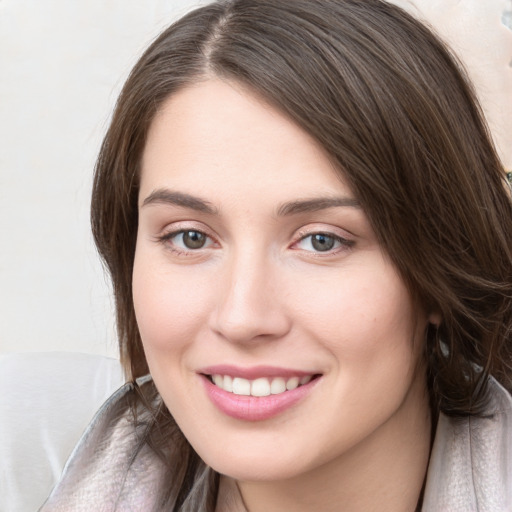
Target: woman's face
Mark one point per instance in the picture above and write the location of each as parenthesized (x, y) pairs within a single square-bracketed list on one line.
[(277, 331)]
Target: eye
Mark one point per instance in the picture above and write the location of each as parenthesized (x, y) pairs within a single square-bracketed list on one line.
[(321, 242), (188, 240)]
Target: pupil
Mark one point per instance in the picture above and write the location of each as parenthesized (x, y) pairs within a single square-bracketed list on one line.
[(194, 239), (322, 242)]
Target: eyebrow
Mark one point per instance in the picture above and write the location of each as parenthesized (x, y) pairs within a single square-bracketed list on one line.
[(171, 197), (166, 196), (316, 204)]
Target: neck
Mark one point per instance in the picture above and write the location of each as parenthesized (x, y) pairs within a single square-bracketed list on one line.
[(385, 472)]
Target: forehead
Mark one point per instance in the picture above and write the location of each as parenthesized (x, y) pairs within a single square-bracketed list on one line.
[(217, 135)]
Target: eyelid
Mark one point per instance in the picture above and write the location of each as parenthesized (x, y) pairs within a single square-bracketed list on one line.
[(176, 228), (345, 241), (172, 234)]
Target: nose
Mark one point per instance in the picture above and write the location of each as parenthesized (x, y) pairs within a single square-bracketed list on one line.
[(251, 303)]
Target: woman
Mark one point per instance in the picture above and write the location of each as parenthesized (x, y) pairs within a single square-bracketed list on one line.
[(308, 233)]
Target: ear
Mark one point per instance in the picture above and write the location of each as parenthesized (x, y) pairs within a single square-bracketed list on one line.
[(435, 319)]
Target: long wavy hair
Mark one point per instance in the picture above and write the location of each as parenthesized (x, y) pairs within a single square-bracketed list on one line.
[(396, 113)]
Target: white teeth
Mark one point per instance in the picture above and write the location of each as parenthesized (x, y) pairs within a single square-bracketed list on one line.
[(241, 386), (278, 386), (259, 387), (228, 383), (292, 383)]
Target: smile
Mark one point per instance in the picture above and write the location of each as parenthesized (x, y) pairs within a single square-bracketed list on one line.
[(258, 393), (259, 387)]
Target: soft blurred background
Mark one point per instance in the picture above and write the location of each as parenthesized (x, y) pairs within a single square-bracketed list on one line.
[(62, 64)]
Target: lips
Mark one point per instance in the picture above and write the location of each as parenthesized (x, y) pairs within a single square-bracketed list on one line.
[(256, 394)]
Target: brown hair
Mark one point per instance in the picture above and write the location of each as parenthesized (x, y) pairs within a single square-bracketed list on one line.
[(386, 99)]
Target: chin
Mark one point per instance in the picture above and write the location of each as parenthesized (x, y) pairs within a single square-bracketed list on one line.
[(248, 470), (261, 460)]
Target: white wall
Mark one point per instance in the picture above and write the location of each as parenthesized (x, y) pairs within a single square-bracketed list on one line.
[(62, 64)]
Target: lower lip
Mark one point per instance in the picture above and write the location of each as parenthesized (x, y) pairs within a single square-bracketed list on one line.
[(252, 408)]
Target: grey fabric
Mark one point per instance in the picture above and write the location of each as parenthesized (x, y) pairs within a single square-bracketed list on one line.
[(113, 470), (471, 461)]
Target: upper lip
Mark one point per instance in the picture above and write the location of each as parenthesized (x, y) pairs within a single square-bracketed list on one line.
[(253, 372)]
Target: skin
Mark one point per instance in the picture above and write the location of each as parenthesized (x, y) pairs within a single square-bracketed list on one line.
[(259, 293)]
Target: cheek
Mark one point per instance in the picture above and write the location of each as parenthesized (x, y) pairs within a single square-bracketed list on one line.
[(169, 306), (374, 334), (360, 316)]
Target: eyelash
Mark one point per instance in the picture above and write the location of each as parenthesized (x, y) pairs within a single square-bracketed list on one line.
[(342, 243), (166, 239)]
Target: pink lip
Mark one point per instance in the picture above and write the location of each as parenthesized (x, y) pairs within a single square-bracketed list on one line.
[(253, 372), (251, 408)]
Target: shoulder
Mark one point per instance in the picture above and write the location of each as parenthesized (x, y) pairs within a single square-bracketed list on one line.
[(471, 461), (111, 468)]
